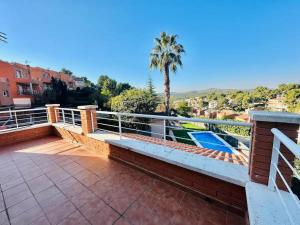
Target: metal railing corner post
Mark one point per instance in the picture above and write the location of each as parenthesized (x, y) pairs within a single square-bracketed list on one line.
[(120, 126), (274, 163), (63, 115), (164, 132), (92, 120), (73, 119)]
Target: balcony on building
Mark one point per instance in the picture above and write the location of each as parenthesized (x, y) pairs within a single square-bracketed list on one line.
[(46, 78), (85, 166), (24, 89), (22, 75)]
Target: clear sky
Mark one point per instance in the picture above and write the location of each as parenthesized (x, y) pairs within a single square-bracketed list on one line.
[(229, 44)]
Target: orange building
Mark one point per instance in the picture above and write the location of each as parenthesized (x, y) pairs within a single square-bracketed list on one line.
[(18, 81)]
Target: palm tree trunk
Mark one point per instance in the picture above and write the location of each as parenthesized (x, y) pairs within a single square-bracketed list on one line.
[(167, 89)]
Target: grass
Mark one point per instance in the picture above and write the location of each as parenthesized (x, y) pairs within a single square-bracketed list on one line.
[(184, 133)]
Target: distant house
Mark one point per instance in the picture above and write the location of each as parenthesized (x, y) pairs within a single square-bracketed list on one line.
[(277, 104), (18, 81), (79, 82), (212, 104)]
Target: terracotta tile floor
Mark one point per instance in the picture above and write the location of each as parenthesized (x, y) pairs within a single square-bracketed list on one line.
[(51, 181)]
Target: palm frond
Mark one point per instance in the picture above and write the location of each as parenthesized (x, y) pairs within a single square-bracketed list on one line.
[(3, 37), (166, 53)]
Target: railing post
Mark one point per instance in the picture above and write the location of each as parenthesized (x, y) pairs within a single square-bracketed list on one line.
[(263, 153), (63, 115), (16, 120), (86, 114), (164, 126), (73, 119), (56, 110), (92, 120), (120, 126), (274, 161), (52, 115)]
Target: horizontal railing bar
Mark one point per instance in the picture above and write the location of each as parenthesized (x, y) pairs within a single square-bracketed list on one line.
[(292, 146), (148, 124), (33, 118), (102, 118), (69, 109), (23, 110), (149, 132), (33, 113), (25, 123), (107, 125), (233, 123)]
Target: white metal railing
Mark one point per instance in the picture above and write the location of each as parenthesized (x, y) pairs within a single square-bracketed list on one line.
[(282, 139), (68, 115), (16, 119), (159, 126)]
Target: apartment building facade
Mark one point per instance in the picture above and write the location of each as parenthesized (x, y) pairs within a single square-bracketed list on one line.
[(18, 81)]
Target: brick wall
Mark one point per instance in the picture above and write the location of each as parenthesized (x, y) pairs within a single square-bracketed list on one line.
[(262, 143), (25, 135), (227, 193)]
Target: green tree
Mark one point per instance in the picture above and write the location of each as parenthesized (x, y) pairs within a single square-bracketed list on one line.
[(222, 101), (66, 71), (284, 88), (150, 87), (87, 82), (57, 93), (238, 100), (261, 94), (107, 85), (183, 109), (134, 101), (122, 87), (166, 55), (292, 99)]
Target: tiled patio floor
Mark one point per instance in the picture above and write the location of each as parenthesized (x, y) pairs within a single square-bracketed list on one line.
[(51, 181)]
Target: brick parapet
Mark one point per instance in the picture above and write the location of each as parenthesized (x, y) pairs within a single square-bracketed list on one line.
[(51, 108), (88, 118), (261, 150)]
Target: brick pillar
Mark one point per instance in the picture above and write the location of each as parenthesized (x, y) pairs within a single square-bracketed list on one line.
[(262, 143), (88, 115), (51, 112)]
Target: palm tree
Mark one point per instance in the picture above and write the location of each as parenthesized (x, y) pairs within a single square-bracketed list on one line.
[(3, 37), (166, 55)]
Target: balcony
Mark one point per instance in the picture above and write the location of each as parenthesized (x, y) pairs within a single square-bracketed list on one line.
[(70, 167)]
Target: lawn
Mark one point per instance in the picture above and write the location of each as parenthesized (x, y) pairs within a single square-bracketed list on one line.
[(184, 133)]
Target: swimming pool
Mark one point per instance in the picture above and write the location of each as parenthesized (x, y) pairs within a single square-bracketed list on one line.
[(208, 139)]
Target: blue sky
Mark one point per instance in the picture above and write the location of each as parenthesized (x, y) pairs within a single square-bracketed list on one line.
[(229, 44)]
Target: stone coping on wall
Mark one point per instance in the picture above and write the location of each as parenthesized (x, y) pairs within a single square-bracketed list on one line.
[(277, 117), (229, 172), (265, 206), (69, 127)]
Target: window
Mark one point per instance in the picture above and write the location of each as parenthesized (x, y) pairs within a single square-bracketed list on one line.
[(19, 74), (5, 93), (46, 75)]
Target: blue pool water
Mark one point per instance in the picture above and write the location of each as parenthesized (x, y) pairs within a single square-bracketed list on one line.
[(209, 140)]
